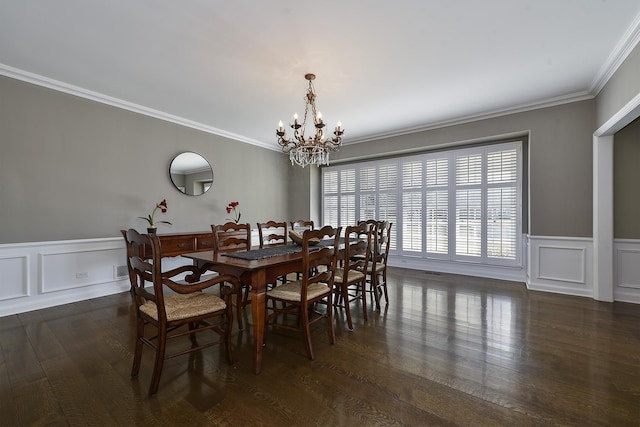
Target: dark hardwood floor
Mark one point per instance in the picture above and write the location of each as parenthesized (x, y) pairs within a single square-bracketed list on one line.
[(448, 350)]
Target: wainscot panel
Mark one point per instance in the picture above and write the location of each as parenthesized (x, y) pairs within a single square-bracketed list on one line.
[(626, 261), (561, 264), (43, 274)]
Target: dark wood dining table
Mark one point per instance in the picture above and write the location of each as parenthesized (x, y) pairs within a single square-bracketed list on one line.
[(257, 273)]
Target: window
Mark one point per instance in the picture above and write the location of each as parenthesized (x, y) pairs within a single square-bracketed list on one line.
[(457, 205)]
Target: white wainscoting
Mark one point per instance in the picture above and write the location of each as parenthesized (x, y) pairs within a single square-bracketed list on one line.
[(37, 275), (561, 264), (626, 270), (44, 274)]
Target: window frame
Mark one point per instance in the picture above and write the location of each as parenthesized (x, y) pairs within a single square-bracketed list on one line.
[(399, 192)]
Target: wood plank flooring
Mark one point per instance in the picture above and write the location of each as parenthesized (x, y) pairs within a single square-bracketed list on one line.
[(447, 350)]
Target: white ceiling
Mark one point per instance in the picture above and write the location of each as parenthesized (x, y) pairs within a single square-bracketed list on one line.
[(383, 67)]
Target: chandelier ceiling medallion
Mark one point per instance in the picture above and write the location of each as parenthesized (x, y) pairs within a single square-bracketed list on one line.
[(312, 150)]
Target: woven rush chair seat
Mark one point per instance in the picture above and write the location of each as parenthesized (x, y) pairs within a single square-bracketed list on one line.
[(299, 298), (182, 306), (292, 291), (351, 275), (379, 267), (186, 311)]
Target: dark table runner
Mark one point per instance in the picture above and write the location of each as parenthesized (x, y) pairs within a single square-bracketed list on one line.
[(271, 251), (267, 252)]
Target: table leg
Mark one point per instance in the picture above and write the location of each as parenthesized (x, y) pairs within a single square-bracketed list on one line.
[(258, 307)]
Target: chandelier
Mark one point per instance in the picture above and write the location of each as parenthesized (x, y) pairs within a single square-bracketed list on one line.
[(311, 150)]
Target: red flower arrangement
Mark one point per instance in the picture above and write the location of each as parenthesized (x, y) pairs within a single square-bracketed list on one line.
[(150, 219), (233, 207)]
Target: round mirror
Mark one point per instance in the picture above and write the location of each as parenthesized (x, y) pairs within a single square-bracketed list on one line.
[(191, 173)]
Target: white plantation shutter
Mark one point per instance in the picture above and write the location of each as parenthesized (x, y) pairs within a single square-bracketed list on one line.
[(437, 221), (412, 205), (348, 181), (437, 172), (330, 182), (469, 222), (367, 207), (457, 205), (347, 210), (368, 194), (368, 179), (388, 211), (412, 221), (469, 170), (388, 177), (330, 211), (330, 198), (437, 205), (388, 198), (502, 204), (502, 167), (501, 222), (468, 238), (412, 175), (347, 201)]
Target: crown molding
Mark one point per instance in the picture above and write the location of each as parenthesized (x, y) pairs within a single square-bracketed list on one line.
[(552, 102), (26, 76), (627, 43)]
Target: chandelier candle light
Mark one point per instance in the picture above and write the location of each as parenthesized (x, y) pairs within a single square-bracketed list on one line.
[(312, 150)]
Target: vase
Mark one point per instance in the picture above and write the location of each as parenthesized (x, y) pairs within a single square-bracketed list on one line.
[(152, 230)]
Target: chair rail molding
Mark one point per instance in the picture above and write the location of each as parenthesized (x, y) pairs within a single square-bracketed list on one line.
[(37, 275)]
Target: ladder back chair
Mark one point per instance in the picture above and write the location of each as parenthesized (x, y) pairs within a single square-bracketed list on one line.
[(169, 305), (300, 226), (273, 233), (377, 270), (351, 279), (232, 237), (299, 297)]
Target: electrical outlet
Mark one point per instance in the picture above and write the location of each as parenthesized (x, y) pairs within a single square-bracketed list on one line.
[(120, 271), (82, 274)]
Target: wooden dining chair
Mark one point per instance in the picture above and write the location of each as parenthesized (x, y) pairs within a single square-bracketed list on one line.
[(185, 305), (301, 225), (298, 298), (350, 283), (272, 233), (232, 237), (377, 270)]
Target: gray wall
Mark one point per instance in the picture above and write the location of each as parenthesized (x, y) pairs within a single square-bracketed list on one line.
[(304, 190), (626, 182), (560, 160), (72, 168)]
